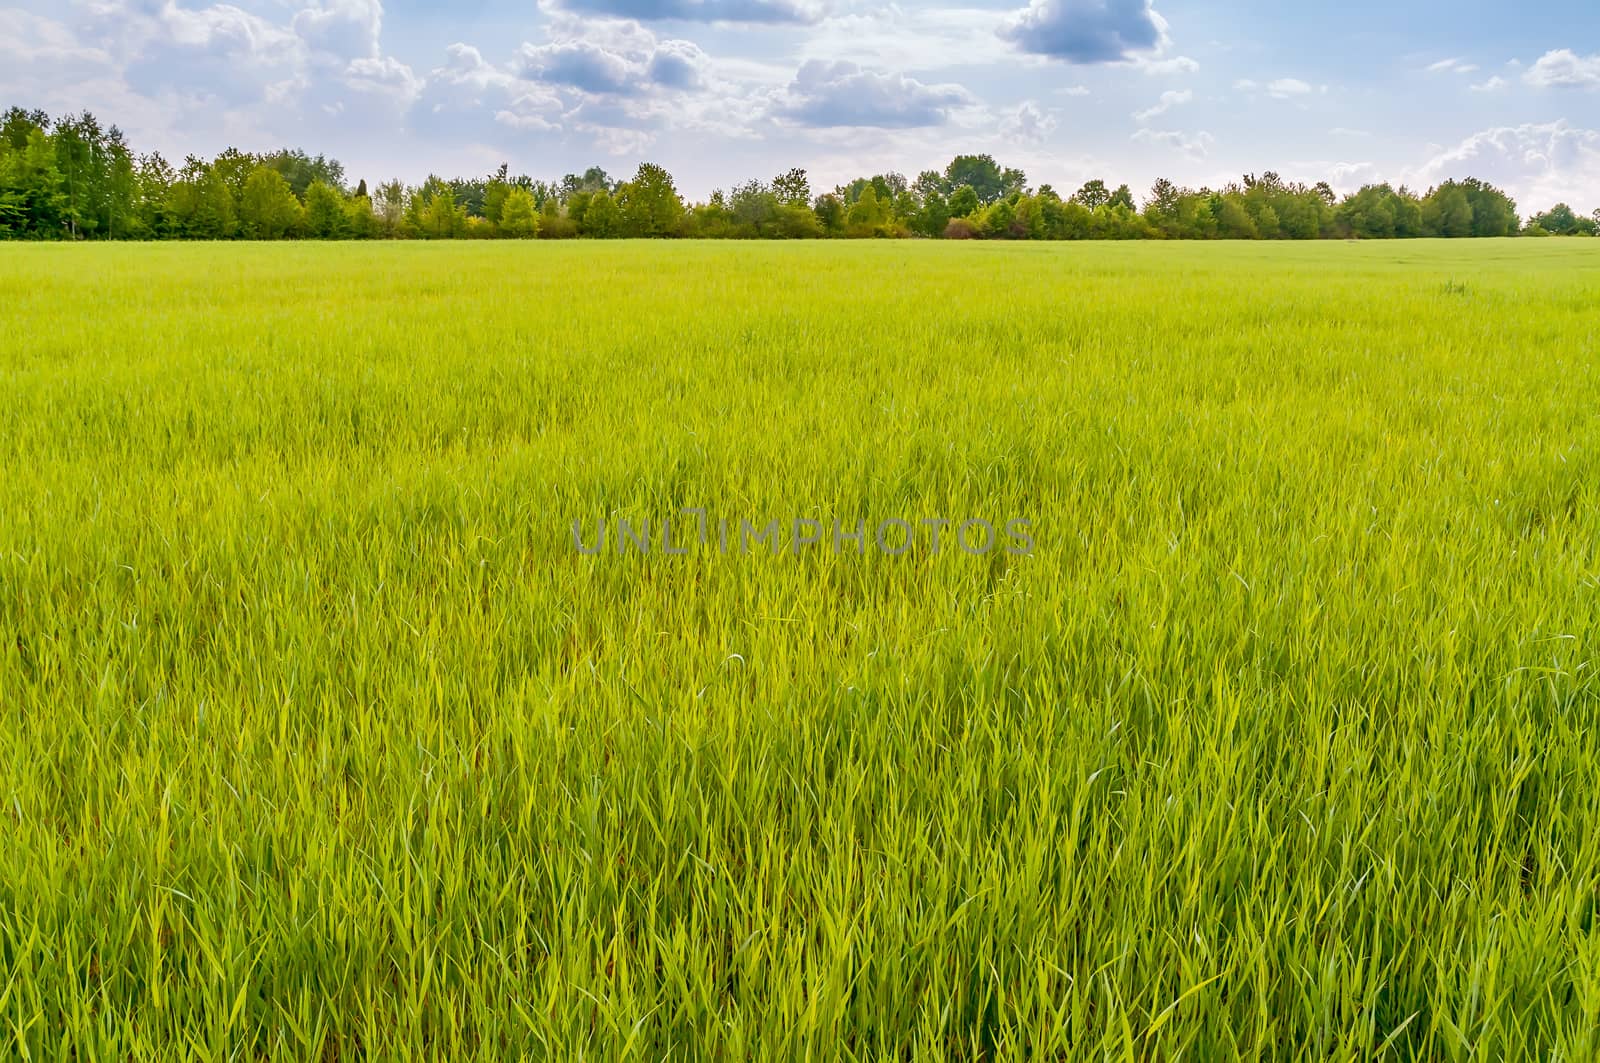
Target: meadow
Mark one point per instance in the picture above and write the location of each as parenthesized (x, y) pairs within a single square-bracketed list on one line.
[(319, 739)]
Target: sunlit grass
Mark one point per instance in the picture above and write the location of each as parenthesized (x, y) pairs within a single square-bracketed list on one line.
[(320, 740)]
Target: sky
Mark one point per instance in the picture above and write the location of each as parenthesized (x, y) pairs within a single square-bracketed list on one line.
[(722, 91)]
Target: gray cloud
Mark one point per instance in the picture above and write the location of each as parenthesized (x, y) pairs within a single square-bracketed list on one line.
[(578, 64), (1087, 31), (677, 65), (842, 94), (630, 64)]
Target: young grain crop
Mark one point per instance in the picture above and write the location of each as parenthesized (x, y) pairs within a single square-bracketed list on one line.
[(320, 740)]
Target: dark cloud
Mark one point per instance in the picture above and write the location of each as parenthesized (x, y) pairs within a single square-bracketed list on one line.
[(842, 94), (1086, 31)]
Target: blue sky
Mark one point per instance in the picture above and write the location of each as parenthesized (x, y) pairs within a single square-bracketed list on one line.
[(720, 91)]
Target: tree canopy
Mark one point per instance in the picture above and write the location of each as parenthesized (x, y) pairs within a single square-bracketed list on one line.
[(76, 179)]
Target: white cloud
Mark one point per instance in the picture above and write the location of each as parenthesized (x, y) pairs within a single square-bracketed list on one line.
[(1169, 99), (1278, 89), (825, 95), (1564, 69), (347, 28), (1452, 66), (1538, 164), (1193, 145), (1494, 84), (1028, 123), (1178, 64)]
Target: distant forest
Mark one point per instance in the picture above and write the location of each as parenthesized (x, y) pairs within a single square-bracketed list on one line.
[(75, 179)]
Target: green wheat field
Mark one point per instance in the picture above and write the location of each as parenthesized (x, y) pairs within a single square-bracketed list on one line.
[(321, 740)]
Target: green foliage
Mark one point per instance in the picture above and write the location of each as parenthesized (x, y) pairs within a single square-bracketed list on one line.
[(267, 207), (519, 216), (325, 212), (301, 171), (361, 222), (793, 188), (74, 179), (964, 201), (648, 205), (1094, 195), (438, 216), (553, 225), (984, 176), (1562, 220), (199, 205)]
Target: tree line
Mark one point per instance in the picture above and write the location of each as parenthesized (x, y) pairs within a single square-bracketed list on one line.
[(75, 179)]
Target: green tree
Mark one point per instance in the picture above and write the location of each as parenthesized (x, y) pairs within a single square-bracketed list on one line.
[(964, 202), (1233, 220), (235, 168), (267, 209), (601, 218), (792, 188), (325, 213), (649, 204), (1562, 220), (980, 173), (154, 181), (519, 216), (438, 216), (199, 204), (829, 210), (1447, 211), (361, 222), (1094, 194), (300, 170), (36, 185), (866, 214), (390, 207), (1493, 212)]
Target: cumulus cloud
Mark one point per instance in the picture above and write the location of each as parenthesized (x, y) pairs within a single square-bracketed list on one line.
[(1192, 145), (1564, 69), (1494, 84), (1169, 99), (384, 74), (825, 94), (627, 59), (1539, 163), (760, 11), (321, 57), (678, 65), (1028, 123), (1087, 31), (581, 65), (346, 28)]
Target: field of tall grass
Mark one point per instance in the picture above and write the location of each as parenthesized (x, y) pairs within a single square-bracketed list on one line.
[(320, 738)]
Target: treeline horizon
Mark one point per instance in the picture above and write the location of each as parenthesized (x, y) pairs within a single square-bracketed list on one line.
[(74, 179)]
